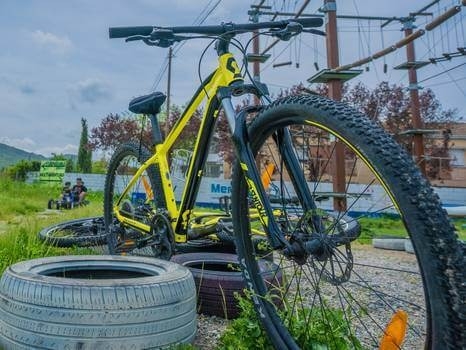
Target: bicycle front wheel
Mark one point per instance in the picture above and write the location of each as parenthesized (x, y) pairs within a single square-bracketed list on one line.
[(346, 294)]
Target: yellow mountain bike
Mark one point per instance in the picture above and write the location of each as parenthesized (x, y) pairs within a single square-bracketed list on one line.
[(330, 291)]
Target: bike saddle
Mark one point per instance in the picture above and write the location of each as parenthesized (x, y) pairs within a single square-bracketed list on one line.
[(147, 104)]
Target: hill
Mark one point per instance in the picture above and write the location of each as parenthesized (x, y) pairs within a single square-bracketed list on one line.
[(10, 155)]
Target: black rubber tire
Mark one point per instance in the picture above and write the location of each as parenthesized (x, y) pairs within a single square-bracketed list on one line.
[(205, 245), (50, 204), (436, 246), (142, 154), (82, 232), (218, 278), (107, 302)]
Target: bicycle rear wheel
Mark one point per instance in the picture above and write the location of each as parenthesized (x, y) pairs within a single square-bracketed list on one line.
[(347, 295), (140, 203)]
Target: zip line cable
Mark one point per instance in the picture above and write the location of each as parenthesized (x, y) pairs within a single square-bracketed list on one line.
[(445, 82), (441, 73)]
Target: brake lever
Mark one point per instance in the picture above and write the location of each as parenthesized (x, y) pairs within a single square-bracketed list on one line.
[(291, 29), (137, 37), (160, 42), (315, 31)]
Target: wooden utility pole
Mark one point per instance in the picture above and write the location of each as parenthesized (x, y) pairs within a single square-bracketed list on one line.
[(256, 71), (334, 90), (414, 98), (256, 47)]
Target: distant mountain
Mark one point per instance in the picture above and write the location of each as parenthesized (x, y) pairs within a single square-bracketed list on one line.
[(11, 155)]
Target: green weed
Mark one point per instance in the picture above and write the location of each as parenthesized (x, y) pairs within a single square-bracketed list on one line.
[(322, 328)]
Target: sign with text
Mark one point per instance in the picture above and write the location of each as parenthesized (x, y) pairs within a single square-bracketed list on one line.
[(52, 170)]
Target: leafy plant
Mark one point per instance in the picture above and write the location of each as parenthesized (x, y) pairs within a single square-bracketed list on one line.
[(321, 328), (245, 332)]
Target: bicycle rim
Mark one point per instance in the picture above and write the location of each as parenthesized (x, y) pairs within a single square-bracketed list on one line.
[(138, 202), (349, 296)]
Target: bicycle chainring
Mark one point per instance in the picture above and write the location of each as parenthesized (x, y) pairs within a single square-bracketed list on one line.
[(161, 237)]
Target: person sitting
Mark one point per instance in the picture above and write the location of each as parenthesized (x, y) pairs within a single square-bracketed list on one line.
[(66, 195), (79, 191)]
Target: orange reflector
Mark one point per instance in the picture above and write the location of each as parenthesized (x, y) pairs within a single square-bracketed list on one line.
[(266, 175), (395, 332)]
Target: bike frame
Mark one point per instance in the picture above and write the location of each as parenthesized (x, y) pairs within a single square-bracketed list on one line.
[(218, 88)]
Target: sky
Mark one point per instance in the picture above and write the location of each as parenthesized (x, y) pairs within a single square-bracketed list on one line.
[(57, 64)]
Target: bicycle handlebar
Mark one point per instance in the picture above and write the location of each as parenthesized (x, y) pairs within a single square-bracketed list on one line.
[(124, 32)]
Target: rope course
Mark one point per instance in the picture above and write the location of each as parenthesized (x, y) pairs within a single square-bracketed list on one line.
[(406, 40)]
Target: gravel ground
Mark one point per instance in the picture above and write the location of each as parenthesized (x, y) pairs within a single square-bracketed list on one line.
[(391, 282)]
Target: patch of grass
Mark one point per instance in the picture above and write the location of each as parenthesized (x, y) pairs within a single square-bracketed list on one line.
[(460, 226), (379, 227), (22, 243), (392, 226), (23, 215), (19, 198)]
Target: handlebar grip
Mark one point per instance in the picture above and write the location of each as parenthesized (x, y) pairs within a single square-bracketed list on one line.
[(124, 32), (309, 21)]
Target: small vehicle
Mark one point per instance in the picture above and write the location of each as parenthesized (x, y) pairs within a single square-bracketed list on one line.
[(68, 201)]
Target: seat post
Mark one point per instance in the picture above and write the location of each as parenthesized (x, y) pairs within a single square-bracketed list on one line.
[(156, 132)]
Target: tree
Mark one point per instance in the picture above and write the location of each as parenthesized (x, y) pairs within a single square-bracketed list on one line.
[(389, 106), (84, 163), (18, 171), (69, 167), (115, 130), (100, 166), (188, 136)]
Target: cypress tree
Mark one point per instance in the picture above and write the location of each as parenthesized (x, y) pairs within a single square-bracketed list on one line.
[(84, 164)]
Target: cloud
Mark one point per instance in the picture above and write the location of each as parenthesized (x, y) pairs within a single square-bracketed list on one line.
[(27, 89), (89, 91), (55, 43), (66, 149), (23, 143)]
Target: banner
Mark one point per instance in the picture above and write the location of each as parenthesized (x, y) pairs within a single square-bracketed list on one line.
[(52, 171)]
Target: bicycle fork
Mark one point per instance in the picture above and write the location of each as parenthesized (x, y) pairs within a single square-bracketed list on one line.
[(237, 123)]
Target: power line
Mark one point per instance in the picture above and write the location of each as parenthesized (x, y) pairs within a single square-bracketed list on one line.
[(177, 47)]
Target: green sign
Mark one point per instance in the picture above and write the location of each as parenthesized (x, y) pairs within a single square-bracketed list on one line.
[(52, 170)]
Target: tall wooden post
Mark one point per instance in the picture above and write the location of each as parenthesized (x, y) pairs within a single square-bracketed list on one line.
[(334, 90), (414, 99), (256, 72)]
